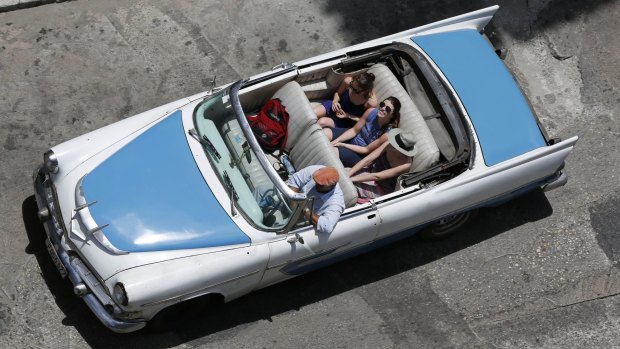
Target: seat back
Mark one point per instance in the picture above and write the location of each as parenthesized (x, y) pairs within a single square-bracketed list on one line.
[(386, 84), (306, 143)]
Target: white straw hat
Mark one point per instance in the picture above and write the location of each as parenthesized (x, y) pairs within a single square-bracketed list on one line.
[(402, 141)]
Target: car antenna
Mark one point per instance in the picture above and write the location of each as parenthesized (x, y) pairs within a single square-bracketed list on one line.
[(212, 84)]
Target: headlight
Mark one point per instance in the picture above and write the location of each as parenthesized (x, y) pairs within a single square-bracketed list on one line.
[(50, 161), (119, 294)]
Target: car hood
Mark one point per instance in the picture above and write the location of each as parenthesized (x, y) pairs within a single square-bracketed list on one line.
[(502, 117), (151, 196)]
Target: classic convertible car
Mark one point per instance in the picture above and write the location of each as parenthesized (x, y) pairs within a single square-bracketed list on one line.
[(158, 209)]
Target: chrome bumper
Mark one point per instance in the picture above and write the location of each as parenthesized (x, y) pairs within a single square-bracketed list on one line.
[(76, 271), (558, 181)]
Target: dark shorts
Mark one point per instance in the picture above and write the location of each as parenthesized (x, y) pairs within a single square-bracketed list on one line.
[(348, 157), (339, 122)]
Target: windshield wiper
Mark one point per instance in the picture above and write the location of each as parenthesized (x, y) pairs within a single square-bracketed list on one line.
[(204, 141), (233, 194)]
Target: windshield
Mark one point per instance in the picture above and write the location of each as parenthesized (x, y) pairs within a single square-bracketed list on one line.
[(251, 190)]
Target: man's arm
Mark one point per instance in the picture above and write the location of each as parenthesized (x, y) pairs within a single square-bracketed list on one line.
[(301, 177), (313, 217), (326, 222)]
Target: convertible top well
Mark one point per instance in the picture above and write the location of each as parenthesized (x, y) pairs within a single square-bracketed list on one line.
[(502, 117)]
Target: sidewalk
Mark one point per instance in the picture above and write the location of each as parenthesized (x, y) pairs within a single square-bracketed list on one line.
[(11, 5)]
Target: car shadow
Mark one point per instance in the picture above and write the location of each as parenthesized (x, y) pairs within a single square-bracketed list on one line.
[(76, 312), (367, 20), (384, 262)]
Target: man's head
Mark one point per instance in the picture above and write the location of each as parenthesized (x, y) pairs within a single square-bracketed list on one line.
[(325, 179)]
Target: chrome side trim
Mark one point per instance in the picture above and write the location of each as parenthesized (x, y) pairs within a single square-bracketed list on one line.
[(200, 291)]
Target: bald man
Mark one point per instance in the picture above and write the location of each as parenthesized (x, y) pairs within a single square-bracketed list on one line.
[(320, 183)]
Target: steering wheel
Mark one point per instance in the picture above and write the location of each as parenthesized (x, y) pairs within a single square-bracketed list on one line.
[(280, 205), (280, 197)]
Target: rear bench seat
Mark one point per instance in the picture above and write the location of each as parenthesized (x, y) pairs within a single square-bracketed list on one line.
[(386, 84), (306, 143)]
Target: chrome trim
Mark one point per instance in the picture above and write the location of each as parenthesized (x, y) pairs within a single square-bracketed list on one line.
[(86, 219), (198, 292), (305, 260), (93, 284), (283, 65), (103, 240), (50, 161), (119, 289), (502, 53), (96, 229), (43, 190), (115, 325), (43, 214), (559, 180), (79, 208), (80, 289), (260, 155)]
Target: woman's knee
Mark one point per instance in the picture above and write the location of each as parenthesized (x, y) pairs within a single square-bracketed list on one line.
[(320, 111), (326, 122)]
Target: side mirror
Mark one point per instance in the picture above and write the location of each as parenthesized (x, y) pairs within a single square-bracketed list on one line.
[(294, 238)]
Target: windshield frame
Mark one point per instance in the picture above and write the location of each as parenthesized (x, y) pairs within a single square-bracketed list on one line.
[(260, 155), (219, 151)]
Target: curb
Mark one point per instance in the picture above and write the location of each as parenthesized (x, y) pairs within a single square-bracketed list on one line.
[(12, 5)]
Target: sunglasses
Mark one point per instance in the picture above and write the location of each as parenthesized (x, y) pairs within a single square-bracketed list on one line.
[(355, 90), (387, 107)]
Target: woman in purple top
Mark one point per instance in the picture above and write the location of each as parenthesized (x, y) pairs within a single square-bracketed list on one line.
[(352, 98), (351, 142)]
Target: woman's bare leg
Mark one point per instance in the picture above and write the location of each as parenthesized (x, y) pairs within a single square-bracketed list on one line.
[(320, 111)]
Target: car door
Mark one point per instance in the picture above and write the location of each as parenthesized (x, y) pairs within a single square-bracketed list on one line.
[(289, 256)]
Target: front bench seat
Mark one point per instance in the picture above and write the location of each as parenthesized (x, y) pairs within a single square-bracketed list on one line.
[(306, 143)]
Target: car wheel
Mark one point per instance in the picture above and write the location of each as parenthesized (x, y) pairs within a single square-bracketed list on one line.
[(447, 225)]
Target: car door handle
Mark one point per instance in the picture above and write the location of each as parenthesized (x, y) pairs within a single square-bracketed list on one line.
[(372, 216), (294, 238)]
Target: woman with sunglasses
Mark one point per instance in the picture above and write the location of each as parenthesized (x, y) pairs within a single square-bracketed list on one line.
[(352, 98), (355, 141)]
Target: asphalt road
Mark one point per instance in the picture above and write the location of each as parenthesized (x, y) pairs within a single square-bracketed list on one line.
[(541, 271)]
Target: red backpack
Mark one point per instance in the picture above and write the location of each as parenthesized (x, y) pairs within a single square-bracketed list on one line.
[(270, 125)]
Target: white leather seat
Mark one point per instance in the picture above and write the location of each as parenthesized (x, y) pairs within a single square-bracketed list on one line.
[(306, 143), (386, 84)]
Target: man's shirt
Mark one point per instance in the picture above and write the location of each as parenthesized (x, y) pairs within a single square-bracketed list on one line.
[(329, 206)]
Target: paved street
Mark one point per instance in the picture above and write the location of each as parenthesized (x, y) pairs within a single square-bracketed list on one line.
[(540, 271)]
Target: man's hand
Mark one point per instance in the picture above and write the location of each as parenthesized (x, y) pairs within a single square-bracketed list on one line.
[(313, 217)]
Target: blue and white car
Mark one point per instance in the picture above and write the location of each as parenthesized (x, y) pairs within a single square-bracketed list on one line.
[(158, 209)]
